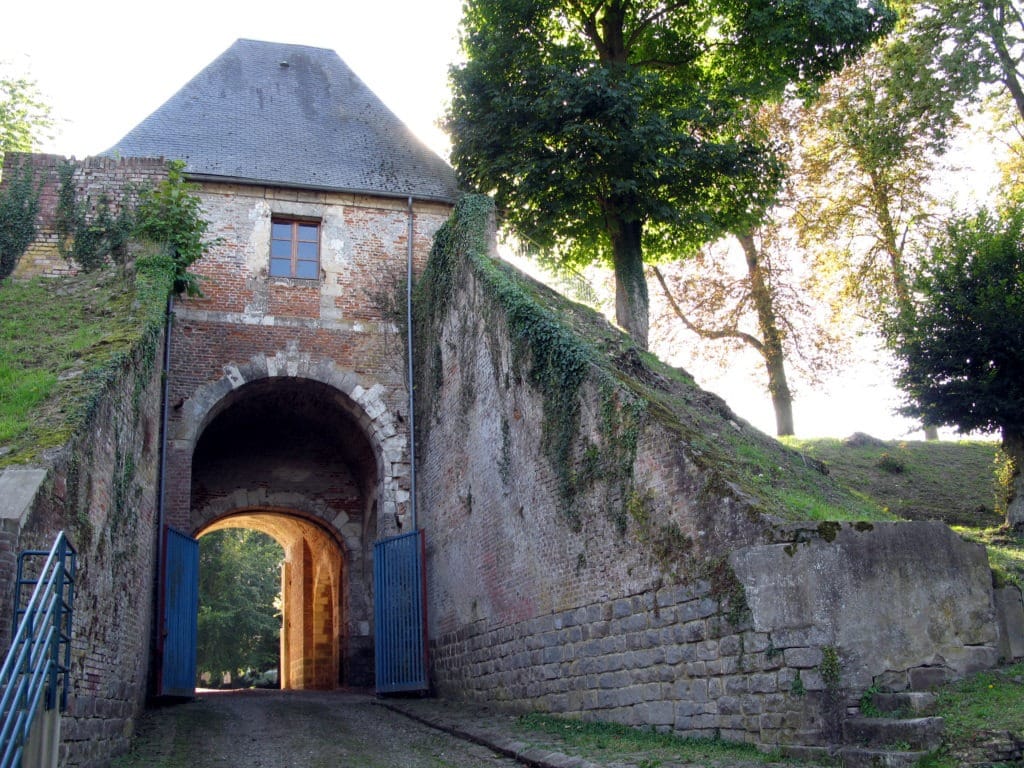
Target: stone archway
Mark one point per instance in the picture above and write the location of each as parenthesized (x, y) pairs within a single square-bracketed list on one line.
[(295, 458), (314, 626)]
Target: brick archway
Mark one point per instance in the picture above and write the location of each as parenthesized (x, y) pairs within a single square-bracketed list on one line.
[(365, 402), (308, 454)]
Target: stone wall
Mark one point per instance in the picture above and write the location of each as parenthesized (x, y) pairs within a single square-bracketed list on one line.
[(94, 177), (102, 490), (643, 598)]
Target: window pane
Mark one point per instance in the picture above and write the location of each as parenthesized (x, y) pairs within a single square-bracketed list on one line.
[(306, 269), (281, 230), (281, 249), (309, 232), (307, 251), (280, 267)]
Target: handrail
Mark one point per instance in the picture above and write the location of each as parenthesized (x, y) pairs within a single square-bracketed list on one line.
[(39, 659)]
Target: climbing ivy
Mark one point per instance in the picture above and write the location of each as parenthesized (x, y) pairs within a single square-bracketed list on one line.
[(89, 233), (19, 204), (556, 362)]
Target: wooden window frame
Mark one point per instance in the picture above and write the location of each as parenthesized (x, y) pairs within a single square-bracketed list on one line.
[(297, 261)]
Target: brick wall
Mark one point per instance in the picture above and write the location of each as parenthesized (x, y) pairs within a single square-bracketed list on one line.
[(749, 629), (93, 177), (102, 491)]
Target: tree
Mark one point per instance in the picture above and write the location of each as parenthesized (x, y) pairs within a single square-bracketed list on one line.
[(239, 584), (24, 115), (617, 130), (868, 148), (971, 45), (762, 306), (960, 345)]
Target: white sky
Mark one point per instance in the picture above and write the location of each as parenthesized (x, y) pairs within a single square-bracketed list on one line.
[(104, 65)]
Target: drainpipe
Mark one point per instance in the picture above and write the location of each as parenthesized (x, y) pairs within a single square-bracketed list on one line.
[(163, 412), (161, 494), (412, 400)]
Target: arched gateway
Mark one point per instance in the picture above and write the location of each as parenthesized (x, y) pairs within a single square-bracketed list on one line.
[(301, 450), (287, 397)]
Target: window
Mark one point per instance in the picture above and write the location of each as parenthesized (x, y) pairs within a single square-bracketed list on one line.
[(294, 249)]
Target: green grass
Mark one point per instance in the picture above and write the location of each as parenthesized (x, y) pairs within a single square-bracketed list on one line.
[(608, 743), (1005, 552), (949, 481), (972, 708), (57, 338)]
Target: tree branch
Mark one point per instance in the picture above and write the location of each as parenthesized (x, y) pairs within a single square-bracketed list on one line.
[(704, 333)]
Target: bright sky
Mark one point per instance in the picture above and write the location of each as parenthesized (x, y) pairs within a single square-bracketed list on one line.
[(104, 65)]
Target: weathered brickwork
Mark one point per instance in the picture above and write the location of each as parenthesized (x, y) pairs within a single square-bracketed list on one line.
[(735, 624), (301, 382), (101, 489), (94, 177)]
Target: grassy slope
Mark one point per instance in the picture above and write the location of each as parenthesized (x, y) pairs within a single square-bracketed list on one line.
[(60, 340)]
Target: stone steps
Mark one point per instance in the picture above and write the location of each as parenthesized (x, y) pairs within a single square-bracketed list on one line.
[(866, 757), (912, 703), (888, 742)]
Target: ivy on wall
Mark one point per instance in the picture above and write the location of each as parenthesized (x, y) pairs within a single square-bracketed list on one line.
[(557, 362), (19, 205)]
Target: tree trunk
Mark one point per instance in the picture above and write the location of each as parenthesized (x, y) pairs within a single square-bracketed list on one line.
[(771, 338), (1013, 447), (630, 284)]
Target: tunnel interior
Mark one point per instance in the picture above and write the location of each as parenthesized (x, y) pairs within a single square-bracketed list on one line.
[(287, 457)]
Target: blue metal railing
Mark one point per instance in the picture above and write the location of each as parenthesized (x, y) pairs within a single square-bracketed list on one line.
[(39, 660)]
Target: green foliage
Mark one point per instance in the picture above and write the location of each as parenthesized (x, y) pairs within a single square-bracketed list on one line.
[(949, 481), (888, 463), (24, 115), (829, 667), (971, 46), (1005, 553), (19, 204), (961, 347), (797, 688), (88, 232), (619, 132), (171, 215), (988, 701), (93, 325), (239, 589)]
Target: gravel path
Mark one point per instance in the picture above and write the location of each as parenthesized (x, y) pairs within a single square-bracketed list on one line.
[(286, 729)]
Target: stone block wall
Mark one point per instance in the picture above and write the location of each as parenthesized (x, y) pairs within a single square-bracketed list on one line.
[(94, 177), (647, 603)]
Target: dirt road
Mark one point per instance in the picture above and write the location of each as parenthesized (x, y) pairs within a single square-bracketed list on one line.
[(289, 729)]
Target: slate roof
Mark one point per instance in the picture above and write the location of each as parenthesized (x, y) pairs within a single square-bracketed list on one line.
[(289, 115)]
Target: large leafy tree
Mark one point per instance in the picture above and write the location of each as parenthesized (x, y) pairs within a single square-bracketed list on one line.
[(239, 584), (758, 303), (618, 131), (868, 148), (960, 345)]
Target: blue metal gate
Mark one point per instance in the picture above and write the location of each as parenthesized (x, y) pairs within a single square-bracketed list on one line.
[(400, 613), (179, 615)]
